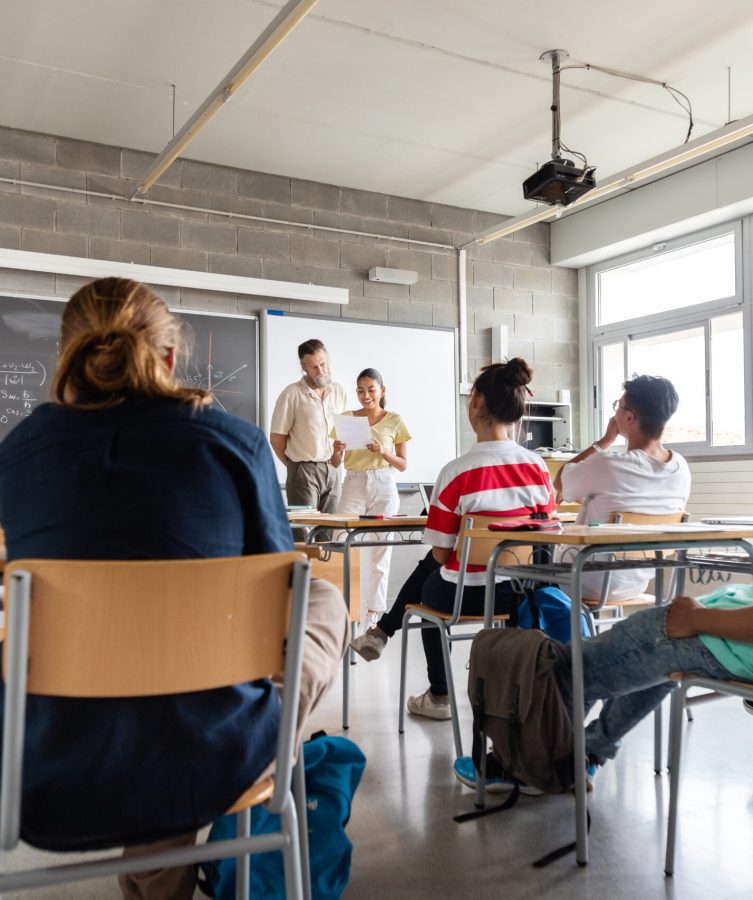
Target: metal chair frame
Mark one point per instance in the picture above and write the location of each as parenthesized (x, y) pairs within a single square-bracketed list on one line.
[(25, 622)]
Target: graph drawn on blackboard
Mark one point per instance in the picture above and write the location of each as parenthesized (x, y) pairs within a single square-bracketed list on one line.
[(223, 361)]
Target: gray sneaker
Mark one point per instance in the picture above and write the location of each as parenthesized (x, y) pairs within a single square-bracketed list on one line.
[(370, 644), (427, 705)]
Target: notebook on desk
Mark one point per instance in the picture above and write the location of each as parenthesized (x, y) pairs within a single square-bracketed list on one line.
[(729, 520)]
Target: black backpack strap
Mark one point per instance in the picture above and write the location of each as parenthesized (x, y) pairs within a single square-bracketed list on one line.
[(479, 726), (490, 810), (532, 605), (564, 850)]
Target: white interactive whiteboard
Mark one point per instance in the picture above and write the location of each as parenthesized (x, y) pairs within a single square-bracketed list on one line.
[(418, 366)]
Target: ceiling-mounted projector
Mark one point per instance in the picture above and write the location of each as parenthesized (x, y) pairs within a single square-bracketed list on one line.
[(558, 181)]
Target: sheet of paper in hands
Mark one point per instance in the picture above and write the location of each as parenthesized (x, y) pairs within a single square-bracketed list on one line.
[(354, 430)]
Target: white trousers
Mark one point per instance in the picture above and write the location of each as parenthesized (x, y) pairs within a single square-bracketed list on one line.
[(375, 493)]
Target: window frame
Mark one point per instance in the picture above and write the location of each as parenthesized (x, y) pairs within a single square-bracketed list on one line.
[(698, 315)]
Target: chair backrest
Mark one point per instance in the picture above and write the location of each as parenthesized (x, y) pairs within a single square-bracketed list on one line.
[(634, 518), (139, 628), (480, 548)]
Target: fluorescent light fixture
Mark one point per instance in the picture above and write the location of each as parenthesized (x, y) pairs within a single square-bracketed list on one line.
[(205, 281), (665, 162), (267, 42), (393, 276)]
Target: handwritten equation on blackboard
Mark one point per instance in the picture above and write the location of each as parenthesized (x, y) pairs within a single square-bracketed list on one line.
[(21, 385)]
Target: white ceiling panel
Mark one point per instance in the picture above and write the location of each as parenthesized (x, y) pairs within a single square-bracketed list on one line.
[(441, 100)]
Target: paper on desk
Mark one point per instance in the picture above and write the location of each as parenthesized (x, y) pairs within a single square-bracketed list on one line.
[(354, 431), (679, 528)]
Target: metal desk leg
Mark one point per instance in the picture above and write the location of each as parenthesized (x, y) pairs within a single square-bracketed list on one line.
[(348, 658), (658, 714), (579, 734)]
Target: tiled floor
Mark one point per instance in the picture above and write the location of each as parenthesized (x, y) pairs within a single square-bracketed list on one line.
[(406, 844)]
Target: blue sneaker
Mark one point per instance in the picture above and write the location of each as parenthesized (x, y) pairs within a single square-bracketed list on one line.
[(591, 769), (495, 784)]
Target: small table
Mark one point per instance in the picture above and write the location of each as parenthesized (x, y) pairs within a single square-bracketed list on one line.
[(407, 530), (593, 540)]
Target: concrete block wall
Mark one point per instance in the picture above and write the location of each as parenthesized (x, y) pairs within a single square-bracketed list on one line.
[(510, 282)]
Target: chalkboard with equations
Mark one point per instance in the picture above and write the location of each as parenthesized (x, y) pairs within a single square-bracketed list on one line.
[(223, 358)]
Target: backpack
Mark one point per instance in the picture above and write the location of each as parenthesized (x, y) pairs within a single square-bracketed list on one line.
[(517, 703), (549, 608), (333, 768)]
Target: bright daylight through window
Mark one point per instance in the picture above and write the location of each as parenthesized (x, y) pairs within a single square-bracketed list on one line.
[(680, 310)]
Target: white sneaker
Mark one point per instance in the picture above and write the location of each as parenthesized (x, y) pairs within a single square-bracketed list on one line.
[(370, 644), (428, 706)]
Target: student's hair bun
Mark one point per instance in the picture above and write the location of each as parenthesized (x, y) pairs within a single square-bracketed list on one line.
[(115, 339), (517, 372), (503, 387)]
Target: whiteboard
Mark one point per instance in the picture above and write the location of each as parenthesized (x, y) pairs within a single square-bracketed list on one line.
[(418, 366)]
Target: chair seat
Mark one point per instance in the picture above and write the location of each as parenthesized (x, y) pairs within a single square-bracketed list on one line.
[(259, 792), (638, 600), (502, 617)]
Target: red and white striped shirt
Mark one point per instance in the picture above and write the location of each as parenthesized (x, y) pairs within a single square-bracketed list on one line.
[(492, 478)]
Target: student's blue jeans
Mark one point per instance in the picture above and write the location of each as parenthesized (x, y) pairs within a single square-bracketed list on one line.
[(628, 667)]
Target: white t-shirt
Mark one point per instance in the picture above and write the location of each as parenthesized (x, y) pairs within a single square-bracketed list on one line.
[(623, 482)]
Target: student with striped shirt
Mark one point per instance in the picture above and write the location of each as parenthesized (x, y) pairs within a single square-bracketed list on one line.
[(495, 477)]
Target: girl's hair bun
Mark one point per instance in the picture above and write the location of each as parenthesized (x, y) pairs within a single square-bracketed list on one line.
[(518, 372)]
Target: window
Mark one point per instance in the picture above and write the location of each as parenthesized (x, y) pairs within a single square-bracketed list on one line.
[(678, 309)]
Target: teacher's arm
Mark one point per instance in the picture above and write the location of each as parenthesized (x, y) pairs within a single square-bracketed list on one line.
[(279, 443)]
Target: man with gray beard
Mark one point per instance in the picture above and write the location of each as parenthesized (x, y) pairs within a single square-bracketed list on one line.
[(302, 422)]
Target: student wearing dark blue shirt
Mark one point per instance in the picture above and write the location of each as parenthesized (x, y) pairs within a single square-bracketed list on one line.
[(129, 464)]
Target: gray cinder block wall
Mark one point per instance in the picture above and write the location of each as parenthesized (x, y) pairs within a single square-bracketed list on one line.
[(510, 281)]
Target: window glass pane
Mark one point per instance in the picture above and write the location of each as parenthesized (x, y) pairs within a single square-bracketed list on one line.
[(612, 368), (727, 381), (681, 357), (694, 274)]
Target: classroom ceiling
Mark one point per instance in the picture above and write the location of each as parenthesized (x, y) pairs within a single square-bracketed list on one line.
[(439, 100)]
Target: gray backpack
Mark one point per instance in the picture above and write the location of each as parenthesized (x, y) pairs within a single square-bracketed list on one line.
[(517, 704)]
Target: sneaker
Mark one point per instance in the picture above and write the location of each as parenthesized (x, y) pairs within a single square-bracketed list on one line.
[(427, 705), (465, 772), (370, 644), (371, 620), (591, 769)]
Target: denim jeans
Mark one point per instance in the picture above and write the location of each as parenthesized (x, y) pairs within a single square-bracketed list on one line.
[(628, 667)]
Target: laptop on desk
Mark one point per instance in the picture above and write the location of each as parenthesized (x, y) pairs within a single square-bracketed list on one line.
[(728, 520)]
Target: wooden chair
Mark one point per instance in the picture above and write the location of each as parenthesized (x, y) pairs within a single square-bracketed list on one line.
[(197, 624), (616, 605), (678, 705), (472, 552)]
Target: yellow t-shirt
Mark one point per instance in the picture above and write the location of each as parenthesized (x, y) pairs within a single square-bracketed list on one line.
[(388, 431)]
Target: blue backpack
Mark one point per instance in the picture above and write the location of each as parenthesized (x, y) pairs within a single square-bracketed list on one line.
[(549, 609), (333, 767)]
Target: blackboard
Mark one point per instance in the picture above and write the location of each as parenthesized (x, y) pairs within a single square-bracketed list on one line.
[(223, 359)]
